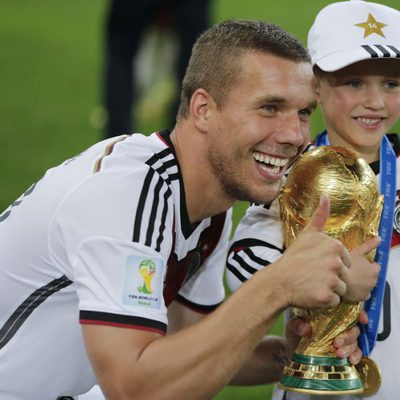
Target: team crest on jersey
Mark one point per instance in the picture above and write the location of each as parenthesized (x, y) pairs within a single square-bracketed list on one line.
[(143, 281)]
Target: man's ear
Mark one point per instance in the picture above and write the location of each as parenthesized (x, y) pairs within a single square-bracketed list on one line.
[(201, 108)]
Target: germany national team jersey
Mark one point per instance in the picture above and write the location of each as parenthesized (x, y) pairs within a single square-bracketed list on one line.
[(103, 238), (258, 241)]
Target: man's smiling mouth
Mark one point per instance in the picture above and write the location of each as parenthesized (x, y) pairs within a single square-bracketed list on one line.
[(269, 163)]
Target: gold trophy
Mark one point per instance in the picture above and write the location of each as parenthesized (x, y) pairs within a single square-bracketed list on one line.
[(355, 209)]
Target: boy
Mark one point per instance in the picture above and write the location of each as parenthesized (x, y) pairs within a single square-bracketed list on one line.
[(355, 51)]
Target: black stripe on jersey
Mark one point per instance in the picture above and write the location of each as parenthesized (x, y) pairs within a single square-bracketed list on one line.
[(244, 264), (235, 272), (142, 201), (153, 212), (371, 51), (163, 176), (127, 321), (254, 258), (26, 308), (384, 51), (165, 165), (196, 307), (163, 219), (246, 243), (395, 49)]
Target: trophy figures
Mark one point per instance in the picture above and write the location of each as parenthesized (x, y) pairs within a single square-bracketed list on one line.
[(355, 209)]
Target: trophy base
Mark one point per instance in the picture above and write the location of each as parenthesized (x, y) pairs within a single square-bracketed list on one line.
[(320, 375)]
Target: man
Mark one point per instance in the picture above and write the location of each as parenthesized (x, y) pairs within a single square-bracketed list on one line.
[(356, 64), (130, 237)]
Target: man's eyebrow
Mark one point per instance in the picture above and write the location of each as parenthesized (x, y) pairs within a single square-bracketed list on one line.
[(272, 99)]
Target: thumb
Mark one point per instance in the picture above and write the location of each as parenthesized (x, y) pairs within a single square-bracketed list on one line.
[(320, 216)]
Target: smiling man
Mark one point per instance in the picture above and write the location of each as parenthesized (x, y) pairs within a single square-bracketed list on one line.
[(72, 249)]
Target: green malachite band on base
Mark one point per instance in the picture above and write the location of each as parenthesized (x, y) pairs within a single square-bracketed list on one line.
[(333, 385), (320, 375), (315, 360)]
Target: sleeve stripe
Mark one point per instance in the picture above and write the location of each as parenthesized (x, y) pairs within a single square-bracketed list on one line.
[(254, 258), (142, 201), (153, 212), (243, 264), (163, 219), (243, 243), (127, 321), (235, 272)]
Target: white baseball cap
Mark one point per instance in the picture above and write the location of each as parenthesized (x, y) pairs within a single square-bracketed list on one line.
[(350, 31)]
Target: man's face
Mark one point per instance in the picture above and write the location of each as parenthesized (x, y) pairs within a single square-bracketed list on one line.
[(262, 127), (360, 103)]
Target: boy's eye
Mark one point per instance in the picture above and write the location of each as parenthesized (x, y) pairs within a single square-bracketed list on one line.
[(392, 84), (354, 83)]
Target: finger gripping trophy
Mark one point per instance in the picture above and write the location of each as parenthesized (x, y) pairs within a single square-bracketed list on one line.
[(355, 209)]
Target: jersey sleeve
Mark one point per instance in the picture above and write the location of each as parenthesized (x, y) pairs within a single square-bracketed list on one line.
[(117, 265), (205, 290), (258, 241)]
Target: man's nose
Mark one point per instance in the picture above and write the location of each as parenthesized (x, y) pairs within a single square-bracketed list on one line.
[(291, 131)]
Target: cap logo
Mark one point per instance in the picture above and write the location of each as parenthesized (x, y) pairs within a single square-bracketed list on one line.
[(371, 26)]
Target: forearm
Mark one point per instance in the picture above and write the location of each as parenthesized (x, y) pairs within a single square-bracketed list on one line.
[(199, 360), (265, 365)]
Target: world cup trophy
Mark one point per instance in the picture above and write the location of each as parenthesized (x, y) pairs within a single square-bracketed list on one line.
[(355, 210)]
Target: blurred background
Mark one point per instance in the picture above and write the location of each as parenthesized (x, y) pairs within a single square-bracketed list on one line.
[(52, 85)]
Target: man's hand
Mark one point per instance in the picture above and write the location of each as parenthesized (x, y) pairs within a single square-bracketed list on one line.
[(314, 269)]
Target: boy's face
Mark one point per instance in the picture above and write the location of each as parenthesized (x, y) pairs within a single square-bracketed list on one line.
[(360, 103)]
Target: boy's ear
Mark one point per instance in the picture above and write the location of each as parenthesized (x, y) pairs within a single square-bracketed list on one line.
[(317, 89)]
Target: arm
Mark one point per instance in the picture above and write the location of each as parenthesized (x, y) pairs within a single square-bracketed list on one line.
[(130, 363), (259, 241)]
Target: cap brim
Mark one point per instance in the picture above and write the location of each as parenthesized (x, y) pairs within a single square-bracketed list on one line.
[(343, 58)]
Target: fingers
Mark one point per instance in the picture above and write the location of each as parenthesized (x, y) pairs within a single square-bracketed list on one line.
[(298, 327), (346, 257), (320, 216), (346, 345), (363, 318), (367, 246), (340, 288)]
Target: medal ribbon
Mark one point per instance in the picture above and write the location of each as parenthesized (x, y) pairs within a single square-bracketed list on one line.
[(387, 185)]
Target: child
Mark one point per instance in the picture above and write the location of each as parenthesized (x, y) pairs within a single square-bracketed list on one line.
[(355, 50)]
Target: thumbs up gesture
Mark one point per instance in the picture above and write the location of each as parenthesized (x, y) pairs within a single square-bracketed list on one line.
[(315, 268)]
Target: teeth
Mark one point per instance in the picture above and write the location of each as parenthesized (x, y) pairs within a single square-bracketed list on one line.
[(276, 162), (369, 121)]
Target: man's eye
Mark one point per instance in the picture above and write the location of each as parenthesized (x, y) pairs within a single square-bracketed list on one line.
[(271, 108), (305, 113)]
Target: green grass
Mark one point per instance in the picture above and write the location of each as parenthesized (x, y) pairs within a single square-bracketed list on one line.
[(51, 67)]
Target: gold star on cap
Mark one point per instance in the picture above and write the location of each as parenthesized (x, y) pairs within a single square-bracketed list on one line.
[(372, 26)]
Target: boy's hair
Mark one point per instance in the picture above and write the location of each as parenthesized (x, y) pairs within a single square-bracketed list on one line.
[(215, 61)]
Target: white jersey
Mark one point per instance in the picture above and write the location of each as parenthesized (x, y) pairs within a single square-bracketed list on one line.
[(104, 238), (259, 241)]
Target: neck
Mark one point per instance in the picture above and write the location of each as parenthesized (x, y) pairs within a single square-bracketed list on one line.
[(368, 153), (204, 194)]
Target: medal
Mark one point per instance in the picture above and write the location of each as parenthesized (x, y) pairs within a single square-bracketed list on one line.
[(370, 376)]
